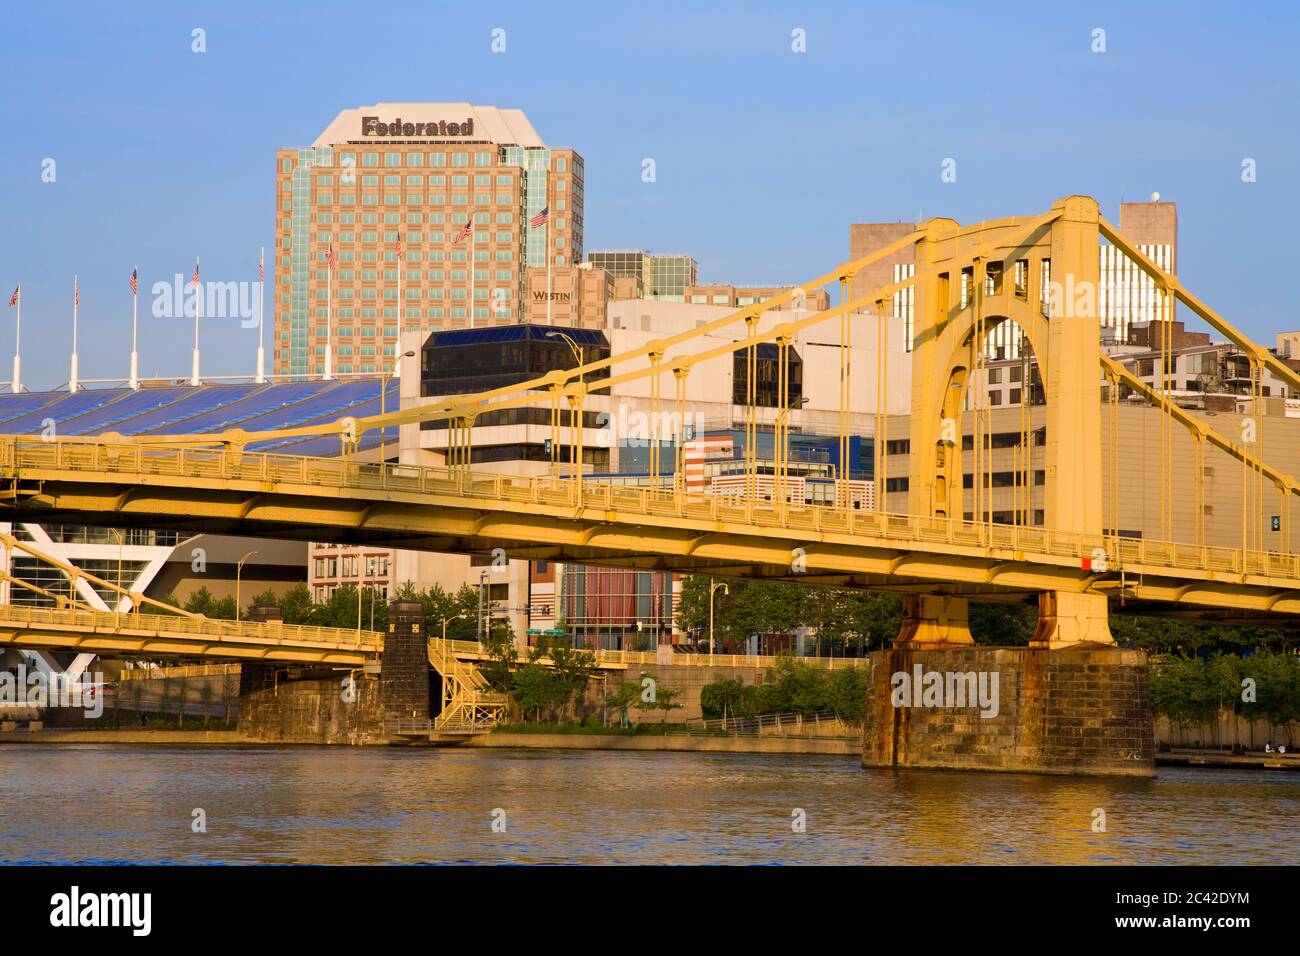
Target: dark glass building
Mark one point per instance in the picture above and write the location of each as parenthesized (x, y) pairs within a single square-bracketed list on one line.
[(468, 361)]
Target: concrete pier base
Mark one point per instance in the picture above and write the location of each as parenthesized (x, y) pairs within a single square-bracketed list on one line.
[(306, 704), (1084, 709)]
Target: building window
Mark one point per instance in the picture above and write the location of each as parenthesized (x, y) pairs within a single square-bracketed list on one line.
[(767, 376)]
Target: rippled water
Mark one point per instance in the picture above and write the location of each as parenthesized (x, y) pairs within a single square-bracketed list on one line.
[(351, 805)]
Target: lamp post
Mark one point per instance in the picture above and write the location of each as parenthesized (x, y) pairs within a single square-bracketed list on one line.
[(781, 449), (120, 535), (239, 569), (574, 347), (383, 395), (443, 645), (574, 414), (361, 580), (714, 587), (445, 620)]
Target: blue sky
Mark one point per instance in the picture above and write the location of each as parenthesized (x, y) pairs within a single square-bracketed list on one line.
[(763, 156)]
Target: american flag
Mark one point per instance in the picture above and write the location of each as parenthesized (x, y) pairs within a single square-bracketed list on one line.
[(135, 281), (76, 294), (466, 229), (13, 299), (261, 270), (399, 245), (329, 256), (194, 283), (540, 218)]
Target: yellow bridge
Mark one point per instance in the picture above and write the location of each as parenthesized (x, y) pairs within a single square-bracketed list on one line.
[(968, 280)]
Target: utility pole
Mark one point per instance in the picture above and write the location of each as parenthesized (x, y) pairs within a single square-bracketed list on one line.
[(714, 587), (482, 586)]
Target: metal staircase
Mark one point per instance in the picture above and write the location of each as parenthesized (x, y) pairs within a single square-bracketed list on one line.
[(469, 704)]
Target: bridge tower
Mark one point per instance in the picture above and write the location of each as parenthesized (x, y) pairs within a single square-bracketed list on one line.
[(1042, 274)]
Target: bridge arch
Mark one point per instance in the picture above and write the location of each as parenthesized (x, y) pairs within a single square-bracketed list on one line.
[(975, 280)]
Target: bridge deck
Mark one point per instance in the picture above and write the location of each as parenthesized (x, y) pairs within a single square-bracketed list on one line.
[(442, 509), (109, 632)]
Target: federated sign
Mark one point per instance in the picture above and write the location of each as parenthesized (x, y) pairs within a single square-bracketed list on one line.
[(374, 126)]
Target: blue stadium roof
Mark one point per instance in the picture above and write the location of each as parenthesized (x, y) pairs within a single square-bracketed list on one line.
[(189, 410)]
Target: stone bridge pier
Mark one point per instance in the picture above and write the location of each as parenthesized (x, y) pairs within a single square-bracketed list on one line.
[(329, 705)]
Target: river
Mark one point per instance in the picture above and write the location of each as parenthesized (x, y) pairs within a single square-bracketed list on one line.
[(107, 804)]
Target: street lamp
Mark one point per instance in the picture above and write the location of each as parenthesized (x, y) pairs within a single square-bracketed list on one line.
[(361, 580), (239, 568), (458, 614), (797, 403), (714, 587), (781, 449), (383, 395), (574, 347), (120, 535)]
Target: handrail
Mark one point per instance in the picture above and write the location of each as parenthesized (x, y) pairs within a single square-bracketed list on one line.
[(748, 726), (132, 622)]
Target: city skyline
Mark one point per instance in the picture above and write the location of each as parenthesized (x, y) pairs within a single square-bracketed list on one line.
[(730, 162)]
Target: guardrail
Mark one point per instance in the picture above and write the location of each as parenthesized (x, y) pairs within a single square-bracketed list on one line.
[(415, 726), (138, 461), (621, 659), (790, 725), (166, 625)]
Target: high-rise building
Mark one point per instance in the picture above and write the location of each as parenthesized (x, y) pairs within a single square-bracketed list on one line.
[(738, 296), (1128, 296), (662, 277), (567, 295), (1125, 297), (409, 177)]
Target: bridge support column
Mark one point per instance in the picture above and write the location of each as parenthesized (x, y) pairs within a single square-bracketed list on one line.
[(934, 620), (404, 677), (1082, 709), (1066, 618)]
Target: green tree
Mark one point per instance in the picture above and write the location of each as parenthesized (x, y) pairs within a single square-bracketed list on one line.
[(203, 602), (572, 669), (655, 696), (1002, 624), (1277, 679), (846, 692), (296, 605), (720, 697), (623, 696)]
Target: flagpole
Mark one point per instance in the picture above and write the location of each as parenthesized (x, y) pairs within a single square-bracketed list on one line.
[(198, 311), (135, 320), (400, 320), (329, 317), (472, 239), (550, 257), (76, 303), (18, 342), (261, 317)]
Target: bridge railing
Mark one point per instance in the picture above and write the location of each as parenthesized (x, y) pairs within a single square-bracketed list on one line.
[(788, 725), (162, 625), (17, 454), (618, 659)]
